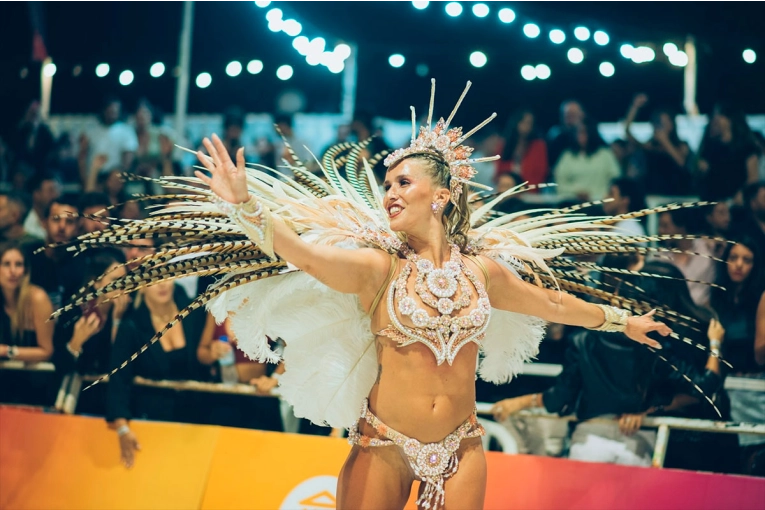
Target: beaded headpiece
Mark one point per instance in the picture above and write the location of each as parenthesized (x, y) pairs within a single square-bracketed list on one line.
[(446, 144)]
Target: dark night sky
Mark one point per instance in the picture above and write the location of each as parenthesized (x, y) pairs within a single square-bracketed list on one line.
[(134, 35)]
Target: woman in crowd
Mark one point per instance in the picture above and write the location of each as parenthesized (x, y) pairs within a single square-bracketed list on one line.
[(718, 218), (85, 346), (729, 155), (610, 377), (666, 156), (586, 169), (524, 151), (742, 311), (25, 332), (172, 358), (217, 349)]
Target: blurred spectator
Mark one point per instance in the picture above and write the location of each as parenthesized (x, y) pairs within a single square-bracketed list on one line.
[(524, 151), (698, 268), (13, 210), (665, 155), (759, 139), (154, 155), (266, 152), (627, 196), (65, 161), (26, 333), (217, 344), (700, 451), (487, 143), (54, 269), (609, 376), (173, 357), (729, 155), (44, 189), (718, 225), (626, 155), (749, 218), (5, 165), (561, 137), (33, 141), (233, 128), (138, 248), (111, 144), (742, 312), (90, 204), (587, 167), (362, 127), (84, 347)]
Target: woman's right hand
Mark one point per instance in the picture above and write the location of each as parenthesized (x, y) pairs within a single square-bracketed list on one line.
[(219, 349), (84, 328), (128, 446), (715, 331), (227, 180)]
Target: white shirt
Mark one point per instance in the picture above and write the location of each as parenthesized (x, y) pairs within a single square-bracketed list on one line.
[(33, 225), (697, 268), (112, 141), (582, 174)]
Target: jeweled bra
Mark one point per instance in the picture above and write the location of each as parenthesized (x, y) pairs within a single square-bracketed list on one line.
[(444, 334)]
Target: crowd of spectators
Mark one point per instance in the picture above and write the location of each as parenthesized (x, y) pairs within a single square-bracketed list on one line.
[(55, 189)]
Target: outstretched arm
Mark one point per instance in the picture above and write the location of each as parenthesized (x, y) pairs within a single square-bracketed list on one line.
[(510, 293), (351, 271)]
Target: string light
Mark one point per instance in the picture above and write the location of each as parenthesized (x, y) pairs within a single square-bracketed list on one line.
[(606, 69), (557, 36), (126, 77), (506, 15), (478, 59), (254, 66), (575, 55), (284, 72), (203, 80), (531, 30), (453, 9)]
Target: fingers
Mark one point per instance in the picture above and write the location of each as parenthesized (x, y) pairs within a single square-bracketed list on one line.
[(240, 159), (650, 314), (213, 151), (220, 151), (202, 177), (651, 342)]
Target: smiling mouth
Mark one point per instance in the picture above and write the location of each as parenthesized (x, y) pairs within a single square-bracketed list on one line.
[(394, 211)]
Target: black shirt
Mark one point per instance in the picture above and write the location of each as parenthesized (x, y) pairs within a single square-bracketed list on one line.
[(727, 171), (155, 363), (60, 277)]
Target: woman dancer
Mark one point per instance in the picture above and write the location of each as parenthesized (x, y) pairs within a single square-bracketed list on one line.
[(414, 274), (419, 406)]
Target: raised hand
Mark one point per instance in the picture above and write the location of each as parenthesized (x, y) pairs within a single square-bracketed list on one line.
[(639, 327), (227, 180)]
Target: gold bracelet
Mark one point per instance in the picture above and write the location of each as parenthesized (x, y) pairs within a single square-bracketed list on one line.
[(615, 319)]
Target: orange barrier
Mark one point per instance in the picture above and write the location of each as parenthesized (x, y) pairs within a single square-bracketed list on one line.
[(71, 462)]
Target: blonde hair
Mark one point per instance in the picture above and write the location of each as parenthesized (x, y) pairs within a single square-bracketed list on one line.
[(22, 314), (456, 218)]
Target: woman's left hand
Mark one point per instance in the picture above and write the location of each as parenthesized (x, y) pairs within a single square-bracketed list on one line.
[(639, 327), (264, 384)]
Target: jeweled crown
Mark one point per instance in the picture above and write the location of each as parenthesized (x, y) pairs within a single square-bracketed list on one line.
[(445, 143)]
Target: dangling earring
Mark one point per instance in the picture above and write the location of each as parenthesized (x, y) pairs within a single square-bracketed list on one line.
[(435, 207)]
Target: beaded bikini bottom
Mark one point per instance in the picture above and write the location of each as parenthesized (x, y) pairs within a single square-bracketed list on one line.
[(432, 463)]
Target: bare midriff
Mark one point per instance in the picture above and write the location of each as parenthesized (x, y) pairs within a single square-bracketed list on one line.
[(419, 398)]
